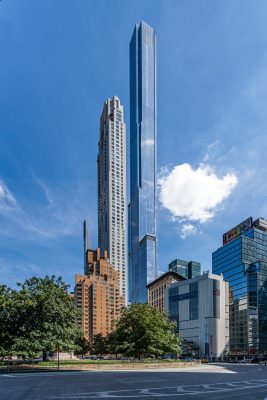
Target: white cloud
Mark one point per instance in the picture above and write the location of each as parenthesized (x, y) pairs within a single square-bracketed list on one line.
[(187, 229), (210, 150), (63, 216), (47, 193), (7, 200), (194, 194)]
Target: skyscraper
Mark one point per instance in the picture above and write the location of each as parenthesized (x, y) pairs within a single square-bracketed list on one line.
[(142, 208), (111, 162), (243, 262), (97, 296), (188, 269)]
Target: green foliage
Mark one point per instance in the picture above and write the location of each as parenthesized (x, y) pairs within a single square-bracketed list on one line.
[(39, 317), (99, 346), (83, 346), (6, 306), (144, 330)]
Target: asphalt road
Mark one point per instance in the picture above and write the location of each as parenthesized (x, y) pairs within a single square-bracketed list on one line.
[(244, 382)]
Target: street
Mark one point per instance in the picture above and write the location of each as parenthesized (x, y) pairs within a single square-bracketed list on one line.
[(224, 381)]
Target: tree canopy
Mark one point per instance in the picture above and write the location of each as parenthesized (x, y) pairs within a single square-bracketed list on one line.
[(144, 330), (5, 320), (99, 345), (38, 317)]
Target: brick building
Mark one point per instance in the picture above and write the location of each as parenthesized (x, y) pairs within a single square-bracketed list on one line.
[(97, 295), (157, 288)]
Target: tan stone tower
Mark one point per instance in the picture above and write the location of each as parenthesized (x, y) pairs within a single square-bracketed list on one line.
[(111, 169), (97, 295)]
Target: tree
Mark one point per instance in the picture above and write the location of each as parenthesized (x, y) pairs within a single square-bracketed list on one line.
[(6, 329), (44, 318), (116, 343), (144, 330), (83, 346), (99, 346)]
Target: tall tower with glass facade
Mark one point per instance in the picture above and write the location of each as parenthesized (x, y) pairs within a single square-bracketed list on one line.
[(142, 210), (111, 166), (187, 269), (243, 262)]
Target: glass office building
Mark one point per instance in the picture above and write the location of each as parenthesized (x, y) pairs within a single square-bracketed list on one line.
[(243, 262), (187, 269), (200, 309), (142, 240)]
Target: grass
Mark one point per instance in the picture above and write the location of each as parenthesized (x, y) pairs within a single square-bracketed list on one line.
[(68, 365), (106, 362)]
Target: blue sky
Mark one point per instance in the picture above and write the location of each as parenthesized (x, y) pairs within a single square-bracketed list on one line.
[(61, 59)]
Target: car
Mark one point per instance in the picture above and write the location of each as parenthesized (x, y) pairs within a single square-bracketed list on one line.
[(255, 360), (258, 360)]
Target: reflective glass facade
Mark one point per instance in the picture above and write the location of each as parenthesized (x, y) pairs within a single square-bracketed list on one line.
[(243, 263), (187, 269), (142, 208)]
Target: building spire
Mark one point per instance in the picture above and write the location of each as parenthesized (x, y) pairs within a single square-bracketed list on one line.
[(86, 241)]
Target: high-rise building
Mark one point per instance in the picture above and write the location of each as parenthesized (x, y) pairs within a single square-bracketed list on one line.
[(243, 262), (200, 308), (187, 269), (112, 213), (158, 287), (97, 295), (143, 205)]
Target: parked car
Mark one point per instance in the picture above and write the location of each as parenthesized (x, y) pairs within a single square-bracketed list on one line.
[(257, 360)]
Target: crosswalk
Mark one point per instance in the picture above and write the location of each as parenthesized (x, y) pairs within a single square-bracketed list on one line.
[(160, 392)]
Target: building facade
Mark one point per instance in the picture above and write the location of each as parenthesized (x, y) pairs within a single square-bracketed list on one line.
[(97, 296), (243, 262), (158, 287), (143, 204), (112, 213), (187, 269), (200, 308), (86, 242)]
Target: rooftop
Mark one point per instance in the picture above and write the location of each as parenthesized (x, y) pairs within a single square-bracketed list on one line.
[(176, 276)]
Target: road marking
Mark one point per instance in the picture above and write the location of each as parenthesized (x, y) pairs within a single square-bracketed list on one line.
[(168, 391), (9, 376)]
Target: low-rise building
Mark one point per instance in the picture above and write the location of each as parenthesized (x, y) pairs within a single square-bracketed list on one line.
[(200, 308), (157, 288), (97, 295)]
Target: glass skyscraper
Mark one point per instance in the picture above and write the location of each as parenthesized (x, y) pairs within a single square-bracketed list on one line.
[(243, 262), (142, 239), (187, 269)]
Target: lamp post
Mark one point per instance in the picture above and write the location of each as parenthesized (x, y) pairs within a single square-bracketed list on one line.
[(58, 358)]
